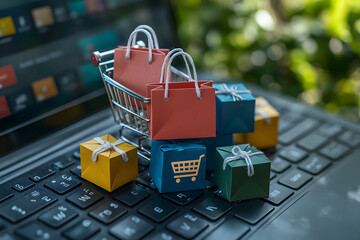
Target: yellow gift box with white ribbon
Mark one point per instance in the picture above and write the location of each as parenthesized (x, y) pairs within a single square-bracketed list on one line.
[(108, 162), (265, 133)]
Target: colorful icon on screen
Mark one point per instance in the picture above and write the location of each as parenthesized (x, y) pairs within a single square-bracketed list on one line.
[(43, 16), (4, 108), (44, 89), (7, 27), (7, 76), (95, 6), (76, 8)]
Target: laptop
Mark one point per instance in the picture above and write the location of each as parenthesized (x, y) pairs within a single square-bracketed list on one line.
[(52, 99)]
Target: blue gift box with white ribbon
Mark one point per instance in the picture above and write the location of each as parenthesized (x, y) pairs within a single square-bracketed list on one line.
[(235, 108), (177, 165)]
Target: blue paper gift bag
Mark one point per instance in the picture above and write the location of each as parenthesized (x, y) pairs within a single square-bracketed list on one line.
[(235, 109), (177, 165), (211, 144)]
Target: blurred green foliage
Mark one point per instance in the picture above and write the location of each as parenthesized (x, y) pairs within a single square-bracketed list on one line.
[(309, 49)]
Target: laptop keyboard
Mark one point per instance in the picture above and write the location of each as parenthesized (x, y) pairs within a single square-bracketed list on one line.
[(53, 202)]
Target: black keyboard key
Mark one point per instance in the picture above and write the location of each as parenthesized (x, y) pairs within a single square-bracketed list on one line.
[(220, 194), (76, 170), (108, 212), (209, 185), (278, 194), (132, 195), (132, 227), (213, 208), (76, 154), (22, 184), (102, 236), (64, 163), (187, 226), (82, 230), (161, 235), (7, 236), (141, 169), (231, 229), (23, 207), (283, 125), (314, 164), (146, 181), (158, 210), (42, 174), (34, 230), (334, 150), (278, 165), (350, 138), (4, 194), (85, 197), (272, 175), (312, 142), (253, 211), (183, 198), (293, 154), (58, 216), (62, 184), (328, 130), (295, 179), (297, 131), (286, 121)]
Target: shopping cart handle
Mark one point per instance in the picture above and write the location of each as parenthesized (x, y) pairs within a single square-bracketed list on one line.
[(97, 56)]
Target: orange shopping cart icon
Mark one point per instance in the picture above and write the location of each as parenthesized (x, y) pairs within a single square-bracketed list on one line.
[(188, 168)]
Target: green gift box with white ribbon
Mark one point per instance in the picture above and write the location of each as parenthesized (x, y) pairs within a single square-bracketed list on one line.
[(242, 172)]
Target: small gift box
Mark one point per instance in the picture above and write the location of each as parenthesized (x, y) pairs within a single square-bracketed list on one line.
[(235, 108), (265, 133), (242, 172), (107, 162), (211, 144), (177, 165)]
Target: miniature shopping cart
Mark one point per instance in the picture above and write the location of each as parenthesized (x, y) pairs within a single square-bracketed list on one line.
[(127, 106), (188, 168)]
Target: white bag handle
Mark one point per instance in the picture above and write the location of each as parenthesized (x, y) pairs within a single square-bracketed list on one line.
[(167, 57), (150, 43), (166, 96), (148, 28)]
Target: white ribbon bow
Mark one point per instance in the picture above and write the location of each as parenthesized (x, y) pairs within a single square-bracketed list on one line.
[(240, 154), (232, 91), (105, 145)]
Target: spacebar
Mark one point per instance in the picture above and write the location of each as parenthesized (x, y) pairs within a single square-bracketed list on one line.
[(297, 131), (232, 228)]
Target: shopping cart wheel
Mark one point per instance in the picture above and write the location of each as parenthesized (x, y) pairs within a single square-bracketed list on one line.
[(193, 179), (177, 180)]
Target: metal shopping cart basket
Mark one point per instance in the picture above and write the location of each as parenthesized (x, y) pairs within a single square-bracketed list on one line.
[(128, 107), (187, 168)]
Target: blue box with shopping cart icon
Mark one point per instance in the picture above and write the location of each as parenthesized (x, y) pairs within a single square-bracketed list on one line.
[(235, 108), (177, 165)]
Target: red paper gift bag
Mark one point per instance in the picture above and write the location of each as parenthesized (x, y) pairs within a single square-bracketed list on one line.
[(181, 110), (134, 68)]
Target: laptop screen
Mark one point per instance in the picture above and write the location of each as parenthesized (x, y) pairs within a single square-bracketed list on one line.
[(47, 80)]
